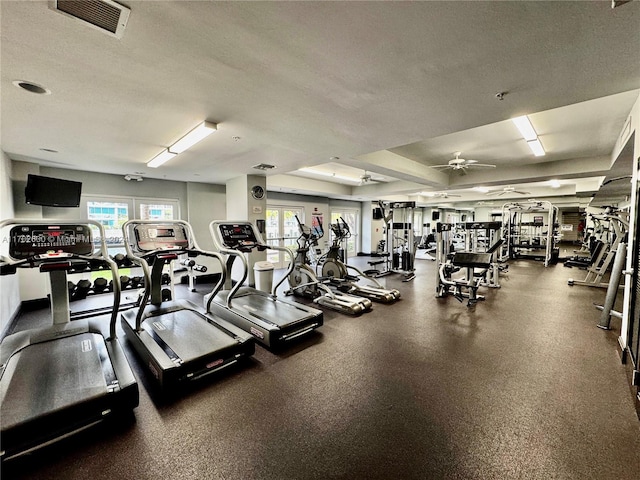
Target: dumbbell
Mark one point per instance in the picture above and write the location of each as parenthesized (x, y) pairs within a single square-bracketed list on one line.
[(166, 279), (100, 285), (72, 288), (137, 282), (125, 281), (82, 289), (119, 258), (166, 294)]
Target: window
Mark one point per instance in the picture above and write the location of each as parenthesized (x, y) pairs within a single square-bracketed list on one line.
[(156, 211), (113, 212)]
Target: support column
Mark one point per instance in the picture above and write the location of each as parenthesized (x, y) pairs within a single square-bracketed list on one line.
[(247, 201)]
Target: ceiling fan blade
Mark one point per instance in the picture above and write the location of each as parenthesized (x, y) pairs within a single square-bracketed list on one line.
[(522, 193), (462, 171), (482, 165), (440, 166)]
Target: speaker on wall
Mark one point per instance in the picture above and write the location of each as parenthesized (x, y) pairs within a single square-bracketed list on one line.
[(435, 216)]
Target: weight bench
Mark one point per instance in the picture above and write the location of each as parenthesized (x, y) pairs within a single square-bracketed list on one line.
[(470, 261), (374, 272)]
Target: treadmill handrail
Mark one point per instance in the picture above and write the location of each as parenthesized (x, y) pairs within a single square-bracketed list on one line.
[(218, 243), (102, 254), (190, 250)]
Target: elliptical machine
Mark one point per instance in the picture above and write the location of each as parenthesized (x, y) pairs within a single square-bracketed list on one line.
[(338, 271), (303, 281)]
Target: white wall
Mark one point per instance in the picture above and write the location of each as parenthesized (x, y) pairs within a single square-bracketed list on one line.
[(9, 286)]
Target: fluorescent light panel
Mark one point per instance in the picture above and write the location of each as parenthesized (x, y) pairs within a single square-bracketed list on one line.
[(536, 147), (194, 136), (328, 174), (161, 158), (189, 140), (526, 129)]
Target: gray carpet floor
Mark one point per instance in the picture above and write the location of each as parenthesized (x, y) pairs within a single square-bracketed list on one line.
[(523, 386)]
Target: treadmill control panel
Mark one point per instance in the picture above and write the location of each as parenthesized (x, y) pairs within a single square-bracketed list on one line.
[(151, 237), (49, 241), (237, 235)]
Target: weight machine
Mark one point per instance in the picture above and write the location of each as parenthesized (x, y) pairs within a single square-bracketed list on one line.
[(400, 244), (526, 233), (484, 237), (449, 261)]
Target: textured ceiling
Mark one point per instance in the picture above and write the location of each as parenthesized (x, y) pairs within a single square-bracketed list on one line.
[(388, 87)]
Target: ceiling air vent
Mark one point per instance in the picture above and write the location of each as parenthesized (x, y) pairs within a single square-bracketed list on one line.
[(264, 166), (105, 15)]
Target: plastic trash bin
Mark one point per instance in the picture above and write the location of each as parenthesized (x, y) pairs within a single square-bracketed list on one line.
[(263, 272)]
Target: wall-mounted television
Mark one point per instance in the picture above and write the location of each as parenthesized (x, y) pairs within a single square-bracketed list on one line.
[(52, 192)]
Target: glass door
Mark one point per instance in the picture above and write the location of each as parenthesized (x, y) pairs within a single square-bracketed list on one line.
[(352, 217), (282, 231)]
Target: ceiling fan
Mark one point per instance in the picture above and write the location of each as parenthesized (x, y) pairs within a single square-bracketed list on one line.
[(367, 178), (462, 164), (440, 195), (506, 190)]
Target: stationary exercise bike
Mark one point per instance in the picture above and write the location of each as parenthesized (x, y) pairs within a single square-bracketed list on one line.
[(334, 268), (303, 281)]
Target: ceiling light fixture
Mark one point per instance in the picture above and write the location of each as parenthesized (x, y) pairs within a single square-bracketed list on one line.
[(480, 189), (194, 136), (536, 147), (529, 134), (189, 140), (526, 129), (329, 174), (161, 158), (554, 183)]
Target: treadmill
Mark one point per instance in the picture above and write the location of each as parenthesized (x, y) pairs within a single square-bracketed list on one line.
[(177, 340), (58, 380), (271, 321)]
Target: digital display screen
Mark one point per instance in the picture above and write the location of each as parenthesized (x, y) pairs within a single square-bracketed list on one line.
[(165, 233), (235, 234), (27, 241), (160, 237)]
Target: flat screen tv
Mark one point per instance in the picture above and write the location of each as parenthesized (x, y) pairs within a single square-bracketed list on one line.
[(52, 192)]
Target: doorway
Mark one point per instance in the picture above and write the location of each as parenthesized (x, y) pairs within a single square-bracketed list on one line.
[(282, 231)]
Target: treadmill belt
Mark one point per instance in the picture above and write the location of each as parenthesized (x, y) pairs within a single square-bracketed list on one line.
[(49, 376), (188, 334), (258, 306)]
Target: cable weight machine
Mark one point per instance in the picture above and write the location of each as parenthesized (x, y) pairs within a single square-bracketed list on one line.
[(400, 244)]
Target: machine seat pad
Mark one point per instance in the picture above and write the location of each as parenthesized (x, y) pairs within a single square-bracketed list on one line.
[(472, 260)]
